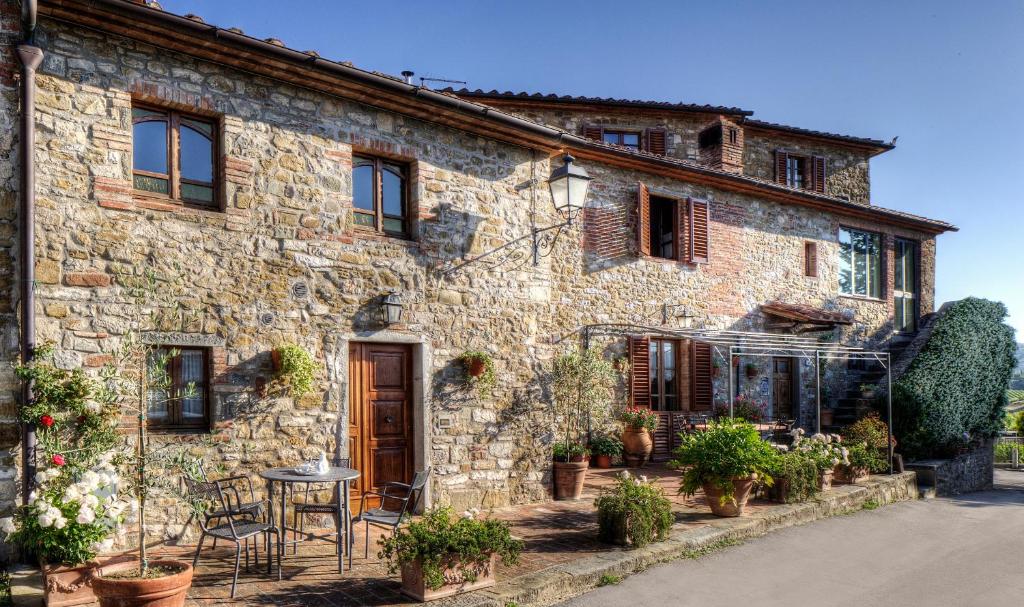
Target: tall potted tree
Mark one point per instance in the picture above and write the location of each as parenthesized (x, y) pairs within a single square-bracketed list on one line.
[(583, 385)]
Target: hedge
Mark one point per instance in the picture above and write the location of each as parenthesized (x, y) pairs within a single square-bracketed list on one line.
[(955, 389)]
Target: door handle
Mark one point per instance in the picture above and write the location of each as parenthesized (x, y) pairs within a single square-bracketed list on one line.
[(388, 419)]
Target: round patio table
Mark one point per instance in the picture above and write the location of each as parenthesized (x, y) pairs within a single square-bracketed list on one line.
[(341, 477)]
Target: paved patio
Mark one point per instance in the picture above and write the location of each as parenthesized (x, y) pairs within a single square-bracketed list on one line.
[(555, 533)]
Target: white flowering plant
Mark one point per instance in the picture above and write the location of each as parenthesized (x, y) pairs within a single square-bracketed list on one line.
[(69, 521), (826, 450)]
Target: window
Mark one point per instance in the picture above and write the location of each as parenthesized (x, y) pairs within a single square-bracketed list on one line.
[(905, 286), (380, 195), (181, 401), (799, 171), (860, 263), (795, 171), (664, 364), (173, 156), (664, 228), (629, 139), (811, 259)]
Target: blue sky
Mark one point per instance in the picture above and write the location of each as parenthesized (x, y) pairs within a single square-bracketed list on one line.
[(944, 76)]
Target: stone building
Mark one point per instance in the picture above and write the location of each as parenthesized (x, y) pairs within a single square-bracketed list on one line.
[(289, 194)]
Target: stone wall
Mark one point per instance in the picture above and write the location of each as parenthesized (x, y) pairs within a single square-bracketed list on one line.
[(972, 471), (847, 173), (286, 220)]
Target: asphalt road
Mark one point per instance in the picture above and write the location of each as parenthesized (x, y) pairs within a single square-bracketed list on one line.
[(961, 551)]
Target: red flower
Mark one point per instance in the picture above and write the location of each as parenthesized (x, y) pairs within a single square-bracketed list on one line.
[(46, 420), (58, 460)]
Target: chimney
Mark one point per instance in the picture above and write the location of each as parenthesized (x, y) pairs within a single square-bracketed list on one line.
[(408, 74), (721, 146)]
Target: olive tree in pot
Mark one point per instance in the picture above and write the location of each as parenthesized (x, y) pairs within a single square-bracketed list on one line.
[(724, 461), (583, 385)]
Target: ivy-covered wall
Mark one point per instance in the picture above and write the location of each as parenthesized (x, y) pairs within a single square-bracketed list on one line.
[(954, 392)]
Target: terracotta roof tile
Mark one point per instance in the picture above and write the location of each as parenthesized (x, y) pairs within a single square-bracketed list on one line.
[(665, 105), (805, 313), (812, 133)]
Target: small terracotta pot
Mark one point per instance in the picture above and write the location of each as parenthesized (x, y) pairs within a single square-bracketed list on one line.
[(568, 479), (741, 488), (67, 586), (476, 367), (848, 475), (167, 591), (414, 586), (637, 446), (716, 371), (751, 372), (602, 461), (825, 480), (826, 417)]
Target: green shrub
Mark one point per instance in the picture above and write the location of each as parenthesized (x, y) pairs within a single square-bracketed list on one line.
[(1004, 451), (297, 370), (485, 381), (606, 445), (955, 389), (634, 510), (799, 472), (1015, 421), (439, 539), (874, 434), (861, 455), (728, 449)]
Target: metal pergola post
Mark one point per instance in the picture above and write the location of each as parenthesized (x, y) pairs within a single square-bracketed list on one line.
[(817, 389), (888, 399), (731, 395)]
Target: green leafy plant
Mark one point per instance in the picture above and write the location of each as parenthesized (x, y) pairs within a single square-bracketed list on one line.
[(606, 445), (727, 450), (1015, 421), (957, 383), (861, 456), (797, 472), (583, 385), (296, 370), (440, 540), (639, 418), (634, 510), (706, 549), (871, 505), (562, 452), (874, 434), (484, 381), (608, 579)]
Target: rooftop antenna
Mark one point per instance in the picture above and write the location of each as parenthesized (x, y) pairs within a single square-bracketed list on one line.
[(408, 74), (426, 79)]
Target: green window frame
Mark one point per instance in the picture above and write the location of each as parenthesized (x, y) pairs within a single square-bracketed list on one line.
[(380, 195)]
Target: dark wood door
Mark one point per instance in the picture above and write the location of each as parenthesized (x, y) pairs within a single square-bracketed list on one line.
[(782, 387), (380, 394)]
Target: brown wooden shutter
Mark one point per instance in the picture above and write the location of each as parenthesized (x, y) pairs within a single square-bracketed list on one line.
[(811, 259), (640, 370), (662, 437), (818, 171), (682, 230), (643, 220), (593, 131), (780, 166), (699, 231), (656, 141), (700, 372)]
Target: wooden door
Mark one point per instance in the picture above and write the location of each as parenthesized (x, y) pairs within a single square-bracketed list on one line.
[(782, 387), (380, 416)]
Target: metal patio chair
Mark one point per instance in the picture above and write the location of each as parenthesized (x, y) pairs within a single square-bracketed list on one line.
[(304, 505), (391, 519), (200, 490), (239, 528)]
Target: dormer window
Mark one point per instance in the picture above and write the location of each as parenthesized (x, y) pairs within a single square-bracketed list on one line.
[(796, 171), (628, 139), (800, 171)]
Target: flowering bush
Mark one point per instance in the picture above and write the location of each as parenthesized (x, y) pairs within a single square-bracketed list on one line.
[(637, 418), (635, 511), (796, 476), (826, 451), (744, 407), (70, 522)]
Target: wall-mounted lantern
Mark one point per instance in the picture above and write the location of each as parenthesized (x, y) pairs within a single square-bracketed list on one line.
[(390, 309), (569, 184)]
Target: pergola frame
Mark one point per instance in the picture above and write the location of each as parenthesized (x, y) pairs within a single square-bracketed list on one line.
[(751, 343)]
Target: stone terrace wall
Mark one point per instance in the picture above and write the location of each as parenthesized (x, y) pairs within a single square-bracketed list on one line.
[(972, 471)]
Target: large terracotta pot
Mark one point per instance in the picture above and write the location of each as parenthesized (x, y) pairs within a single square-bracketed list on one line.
[(602, 461), (779, 491), (67, 586), (848, 475), (826, 417), (167, 591), (825, 480), (414, 586), (741, 493), (569, 477), (637, 446), (476, 367)]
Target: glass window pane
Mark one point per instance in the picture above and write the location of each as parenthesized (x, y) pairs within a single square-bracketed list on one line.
[(392, 191), (396, 226), (655, 379), (362, 187), (206, 128), (197, 193), (192, 374), (845, 262), (150, 184), (156, 398), (138, 112), (364, 219), (860, 263), (149, 146), (631, 140), (874, 260), (611, 137), (910, 268), (668, 358), (898, 266), (196, 155)]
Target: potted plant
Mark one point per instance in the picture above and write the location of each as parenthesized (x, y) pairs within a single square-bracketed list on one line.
[(822, 449), (638, 426), (73, 509), (479, 368), (725, 460), (857, 465), (827, 417), (582, 384), (604, 449), (294, 368), (745, 407), (874, 433), (441, 555), (716, 368), (868, 391), (751, 370), (795, 477), (633, 512)]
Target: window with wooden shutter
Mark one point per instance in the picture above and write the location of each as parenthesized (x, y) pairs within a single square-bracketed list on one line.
[(593, 131), (643, 219), (818, 173), (811, 259), (701, 376), (698, 231), (640, 371), (656, 141), (781, 159), (683, 230)]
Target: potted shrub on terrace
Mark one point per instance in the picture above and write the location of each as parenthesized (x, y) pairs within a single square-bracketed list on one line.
[(795, 476), (582, 384), (724, 461), (633, 512), (860, 459), (874, 433), (604, 448), (638, 426), (440, 555), (824, 450)]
